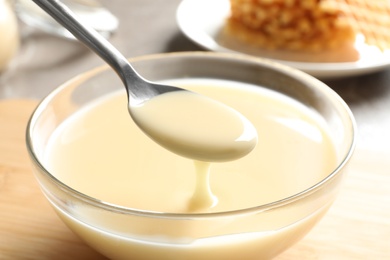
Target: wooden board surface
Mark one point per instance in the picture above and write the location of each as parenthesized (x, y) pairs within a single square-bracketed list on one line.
[(356, 227)]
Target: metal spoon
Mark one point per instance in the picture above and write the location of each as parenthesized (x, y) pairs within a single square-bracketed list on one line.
[(140, 90)]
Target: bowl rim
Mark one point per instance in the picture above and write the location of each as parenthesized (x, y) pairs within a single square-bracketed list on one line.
[(298, 75)]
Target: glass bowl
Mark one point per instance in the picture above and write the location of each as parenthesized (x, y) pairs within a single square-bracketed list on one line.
[(259, 232)]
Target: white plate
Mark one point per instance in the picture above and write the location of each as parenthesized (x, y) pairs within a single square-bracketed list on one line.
[(203, 20)]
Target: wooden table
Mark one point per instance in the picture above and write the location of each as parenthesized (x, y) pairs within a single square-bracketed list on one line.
[(356, 227)]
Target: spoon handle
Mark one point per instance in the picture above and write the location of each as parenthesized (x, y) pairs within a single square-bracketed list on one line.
[(92, 39)]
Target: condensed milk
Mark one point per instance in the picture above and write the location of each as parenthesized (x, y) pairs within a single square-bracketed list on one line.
[(100, 152)]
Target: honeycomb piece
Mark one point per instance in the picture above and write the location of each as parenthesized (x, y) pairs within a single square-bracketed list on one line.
[(370, 18), (297, 25)]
